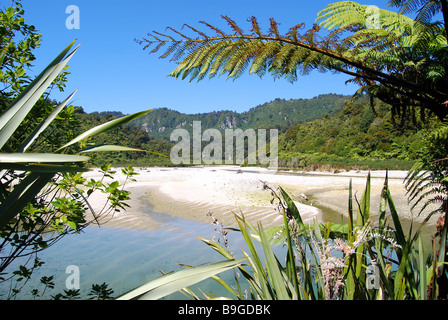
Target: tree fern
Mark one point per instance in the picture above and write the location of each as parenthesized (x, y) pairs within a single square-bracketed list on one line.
[(399, 62), (426, 9), (427, 181)]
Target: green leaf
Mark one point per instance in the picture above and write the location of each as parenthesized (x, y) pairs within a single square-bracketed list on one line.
[(383, 205), (255, 260), (39, 157), (72, 225), (364, 210), (442, 246), (422, 270), (43, 125), (111, 148), (172, 282), (273, 268), (292, 208), (215, 246), (104, 127), (290, 260), (41, 168), (401, 239), (12, 118), (350, 211), (22, 194), (107, 148)]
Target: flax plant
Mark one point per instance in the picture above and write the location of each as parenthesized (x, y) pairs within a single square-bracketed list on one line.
[(43, 196), (360, 260)]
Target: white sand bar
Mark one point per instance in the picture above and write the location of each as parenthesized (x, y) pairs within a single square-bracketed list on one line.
[(192, 192)]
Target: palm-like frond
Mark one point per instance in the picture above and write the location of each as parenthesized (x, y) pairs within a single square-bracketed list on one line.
[(426, 9), (402, 56), (427, 181)]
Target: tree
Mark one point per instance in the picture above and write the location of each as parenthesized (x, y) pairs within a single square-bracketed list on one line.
[(397, 59), (43, 196), (18, 40)]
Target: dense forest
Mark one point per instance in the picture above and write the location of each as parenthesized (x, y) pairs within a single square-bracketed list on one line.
[(328, 132), (279, 113), (355, 137), (127, 135)]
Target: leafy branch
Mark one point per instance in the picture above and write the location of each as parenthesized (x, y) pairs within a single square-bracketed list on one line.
[(396, 62)]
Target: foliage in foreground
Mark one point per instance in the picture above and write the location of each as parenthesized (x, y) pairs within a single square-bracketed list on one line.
[(43, 196), (392, 57), (362, 259)]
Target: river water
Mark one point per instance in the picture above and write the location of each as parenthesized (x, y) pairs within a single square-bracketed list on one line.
[(125, 259)]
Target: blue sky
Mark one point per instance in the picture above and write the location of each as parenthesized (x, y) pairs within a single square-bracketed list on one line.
[(112, 72)]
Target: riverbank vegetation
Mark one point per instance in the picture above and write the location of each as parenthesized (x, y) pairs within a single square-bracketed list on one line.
[(398, 117), (365, 259), (395, 59)]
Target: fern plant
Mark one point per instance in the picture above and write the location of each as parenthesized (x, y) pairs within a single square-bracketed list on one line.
[(402, 62)]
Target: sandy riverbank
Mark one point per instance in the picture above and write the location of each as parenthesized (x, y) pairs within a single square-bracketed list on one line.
[(192, 192)]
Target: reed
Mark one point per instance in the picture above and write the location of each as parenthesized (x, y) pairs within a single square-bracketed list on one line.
[(360, 260)]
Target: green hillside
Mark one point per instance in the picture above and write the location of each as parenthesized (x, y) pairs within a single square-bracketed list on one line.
[(327, 132), (280, 114), (353, 137), (125, 135)]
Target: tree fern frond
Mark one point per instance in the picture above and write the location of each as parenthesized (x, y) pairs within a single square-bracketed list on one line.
[(210, 56), (392, 59), (255, 26), (195, 30), (282, 58), (233, 25), (220, 58), (238, 62), (265, 51), (273, 30), (179, 33), (162, 35), (293, 31), (428, 11), (219, 32), (342, 13)]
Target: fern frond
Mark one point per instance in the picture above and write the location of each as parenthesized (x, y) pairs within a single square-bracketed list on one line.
[(195, 30), (273, 30), (342, 13), (179, 33), (233, 25), (220, 58), (266, 50), (255, 26), (219, 32), (391, 62)]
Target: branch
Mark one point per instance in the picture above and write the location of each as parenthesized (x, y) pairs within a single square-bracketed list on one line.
[(361, 55)]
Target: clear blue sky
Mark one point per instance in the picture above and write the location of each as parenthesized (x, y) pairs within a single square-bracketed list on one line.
[(112, 72)]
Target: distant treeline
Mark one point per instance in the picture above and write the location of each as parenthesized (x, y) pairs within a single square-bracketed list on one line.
[(328, 132)]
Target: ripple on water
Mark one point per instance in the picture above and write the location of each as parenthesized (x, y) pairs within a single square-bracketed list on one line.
[(122, 258)]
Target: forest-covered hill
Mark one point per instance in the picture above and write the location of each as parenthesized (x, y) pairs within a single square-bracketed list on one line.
[(280, 114), (356, 136), (329, 131), (125, 135)]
